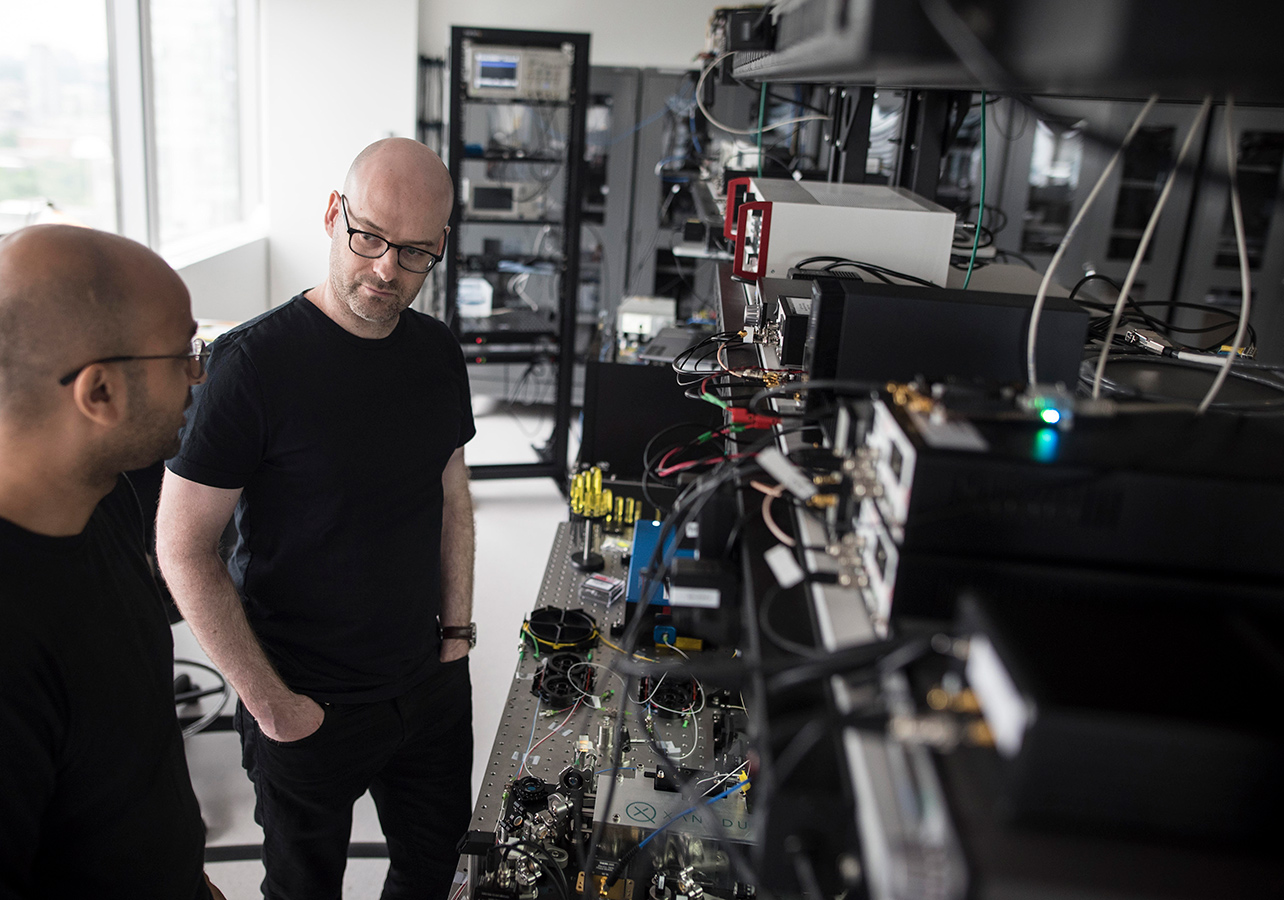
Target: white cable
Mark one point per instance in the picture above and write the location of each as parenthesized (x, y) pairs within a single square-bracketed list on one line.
[(517, 284), (1145, 243), (1037, 310), (695, 732), (1245, 281), (1204, 359), (534, 720), (618, 677), (721, 777), (727, 128), (674, 648)]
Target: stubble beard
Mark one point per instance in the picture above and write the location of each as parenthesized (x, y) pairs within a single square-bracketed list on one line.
[(148, 435), (375, 310)]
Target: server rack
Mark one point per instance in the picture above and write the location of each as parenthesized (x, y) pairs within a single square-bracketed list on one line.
[(507, 217)]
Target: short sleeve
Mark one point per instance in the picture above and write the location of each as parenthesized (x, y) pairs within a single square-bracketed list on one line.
[(226, 430)]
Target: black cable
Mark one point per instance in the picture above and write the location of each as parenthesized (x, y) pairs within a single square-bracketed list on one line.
[(1165, 328), (879, 271), (679, 449), (547, 864), (690, 283), (811, 734), (1119, 390), (722, 337), (859, 662), (1017, 256), (695, 377), (838, 386), (991, 213), (769, 598), (646, 455), (1094, 276), (783, 99), (863, 660)]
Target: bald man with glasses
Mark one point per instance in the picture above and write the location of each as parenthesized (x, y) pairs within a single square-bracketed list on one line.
[(333, 427), (97, 362)]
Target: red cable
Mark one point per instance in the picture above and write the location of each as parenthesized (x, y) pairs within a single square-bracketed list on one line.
[(691, 464), (549, 735)]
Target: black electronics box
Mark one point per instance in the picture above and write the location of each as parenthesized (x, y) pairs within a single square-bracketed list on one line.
[(1145, 716), (1191, 495), (876, 332), (625, 406), (788, 302)]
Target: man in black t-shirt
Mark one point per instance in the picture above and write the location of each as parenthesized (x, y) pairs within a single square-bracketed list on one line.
[(333, 427), (97, 360)]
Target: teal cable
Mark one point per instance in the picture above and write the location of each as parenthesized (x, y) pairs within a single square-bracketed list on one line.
[(980, 208)]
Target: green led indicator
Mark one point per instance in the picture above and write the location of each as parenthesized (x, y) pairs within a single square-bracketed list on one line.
[(1045, 444)]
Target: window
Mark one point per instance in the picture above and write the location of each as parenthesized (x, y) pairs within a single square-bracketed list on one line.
[(56, 158), (203, 119), (133, 116)]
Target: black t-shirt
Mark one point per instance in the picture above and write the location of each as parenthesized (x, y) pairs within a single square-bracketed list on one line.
[(339, 444), (95, 798)]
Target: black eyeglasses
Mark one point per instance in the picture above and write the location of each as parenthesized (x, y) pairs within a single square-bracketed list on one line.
[(371, 246), (197, 358)]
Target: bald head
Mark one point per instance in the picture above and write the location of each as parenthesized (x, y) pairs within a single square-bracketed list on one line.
[(68, 295), (405, 170)]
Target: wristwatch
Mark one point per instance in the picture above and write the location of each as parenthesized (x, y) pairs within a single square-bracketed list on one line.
[(460, 632)]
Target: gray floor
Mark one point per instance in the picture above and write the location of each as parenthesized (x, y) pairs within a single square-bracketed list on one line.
[(516, 521)]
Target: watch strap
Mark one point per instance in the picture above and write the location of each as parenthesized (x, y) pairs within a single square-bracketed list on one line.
[(460, 632)]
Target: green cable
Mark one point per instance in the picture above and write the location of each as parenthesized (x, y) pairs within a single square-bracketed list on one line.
[(762, 113), (980, 208)]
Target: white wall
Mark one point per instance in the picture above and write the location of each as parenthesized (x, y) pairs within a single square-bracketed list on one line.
[(337, 75), (659, 33)]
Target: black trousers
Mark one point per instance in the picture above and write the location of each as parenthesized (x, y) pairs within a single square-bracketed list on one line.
[(413, 753)]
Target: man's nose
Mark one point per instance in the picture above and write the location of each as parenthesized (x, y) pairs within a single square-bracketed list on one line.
[(386, 266)]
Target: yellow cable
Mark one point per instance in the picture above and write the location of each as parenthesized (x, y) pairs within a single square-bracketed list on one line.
[(526, 627), (620, 649)]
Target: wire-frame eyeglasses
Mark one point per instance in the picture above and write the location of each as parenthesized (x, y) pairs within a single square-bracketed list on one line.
[(197, 357)]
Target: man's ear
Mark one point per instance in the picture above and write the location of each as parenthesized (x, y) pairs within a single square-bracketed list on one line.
[(99, 394), (332, 211)]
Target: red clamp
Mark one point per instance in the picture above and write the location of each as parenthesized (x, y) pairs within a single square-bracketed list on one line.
[(737, 191), (761, 208), (742, 416)]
